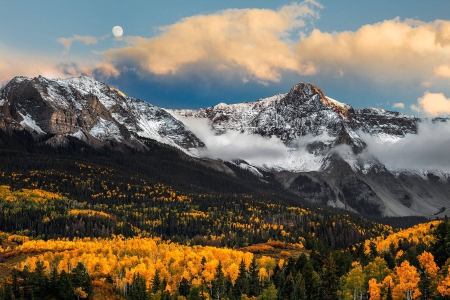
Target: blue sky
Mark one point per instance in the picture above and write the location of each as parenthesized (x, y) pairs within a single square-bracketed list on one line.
[(190, 54)]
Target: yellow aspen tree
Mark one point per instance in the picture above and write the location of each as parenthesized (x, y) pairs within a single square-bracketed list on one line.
[(353, 283), (388, 285), (430, 270), (444, 286), (79, 293), (377, 269), (408, 279), (374, 289)]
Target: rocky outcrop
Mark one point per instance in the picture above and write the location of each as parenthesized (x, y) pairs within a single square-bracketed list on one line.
[(89, 110)]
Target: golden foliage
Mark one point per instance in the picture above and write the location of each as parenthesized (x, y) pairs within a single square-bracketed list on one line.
[(34, 195), (415, 234), (407, 282), (121, 258)]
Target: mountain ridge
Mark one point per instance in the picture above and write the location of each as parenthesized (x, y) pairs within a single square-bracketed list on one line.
[(316, 136)]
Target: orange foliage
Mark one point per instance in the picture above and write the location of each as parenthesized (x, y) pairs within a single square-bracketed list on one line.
[(415, 234), (374, 289), (121, 258), (407, 285)]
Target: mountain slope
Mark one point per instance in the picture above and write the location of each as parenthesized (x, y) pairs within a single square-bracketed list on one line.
[(325, 140), (301, 133), (88, 110)]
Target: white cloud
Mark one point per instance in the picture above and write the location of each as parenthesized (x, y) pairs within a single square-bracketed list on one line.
[(86, 39), (426, 150), (434, 104), (398, 105), (255, 41), (16, 63), (233, 145), (257, 150), (415, 108), (390, 50), (442, 71)]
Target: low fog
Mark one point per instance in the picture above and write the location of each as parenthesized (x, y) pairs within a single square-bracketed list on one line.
[(232, 145), (429, 149), (257, 150)]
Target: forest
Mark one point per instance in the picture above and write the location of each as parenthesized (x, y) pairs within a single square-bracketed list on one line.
[(79, 222), (409, 264)]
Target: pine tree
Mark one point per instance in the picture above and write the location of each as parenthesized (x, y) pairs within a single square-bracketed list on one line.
[(15, 284), (184, 287), (81, 278), (301, 262), (269, 293), (441, 247), (194, 293), (330, 280), (299, 288), (137, 288), (156, 283), (312, 282), (254, 285), (38, 281), (218, 285), (65, 287), (241, 284)]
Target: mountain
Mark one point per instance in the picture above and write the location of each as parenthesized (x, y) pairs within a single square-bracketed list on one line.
[(326, 149), (90, 111), (318, 146)]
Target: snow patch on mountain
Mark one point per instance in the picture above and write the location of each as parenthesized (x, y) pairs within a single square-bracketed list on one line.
[(29, 123), (106, 130)]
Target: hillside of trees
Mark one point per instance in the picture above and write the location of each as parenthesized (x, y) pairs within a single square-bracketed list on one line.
[(409, 264), (85, 223)]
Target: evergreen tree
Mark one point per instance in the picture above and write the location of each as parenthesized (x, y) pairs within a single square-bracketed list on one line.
[(156, 283), (299, 288), (241, 284), (194, 293), (254, 285), (184, 287), (81, 278), (312, 282), (65, 288), (441, 246), (8, 293), (301, 262), (38, 281), (15, 284), (287, 288), (137, 288), (330, 280), (228, 287), (269, 293), (218, 285)]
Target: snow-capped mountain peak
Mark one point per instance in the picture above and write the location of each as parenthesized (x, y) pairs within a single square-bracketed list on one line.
[(90, 110)]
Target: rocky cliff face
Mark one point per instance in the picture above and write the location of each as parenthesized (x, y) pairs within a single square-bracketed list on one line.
[(324, 161), (88, 110), (326, 144)]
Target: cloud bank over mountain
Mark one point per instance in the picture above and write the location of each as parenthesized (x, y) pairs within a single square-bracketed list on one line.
[(426, 150)]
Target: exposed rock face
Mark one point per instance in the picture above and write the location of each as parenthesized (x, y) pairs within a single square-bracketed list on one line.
[(325, 161), (88, 110), (383, 122), (341, 176)]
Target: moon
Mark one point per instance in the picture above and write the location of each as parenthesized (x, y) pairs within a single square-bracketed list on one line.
[(117, 31)]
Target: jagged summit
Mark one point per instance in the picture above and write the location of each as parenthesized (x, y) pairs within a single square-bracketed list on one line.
[(320, 136), (89, 110)]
